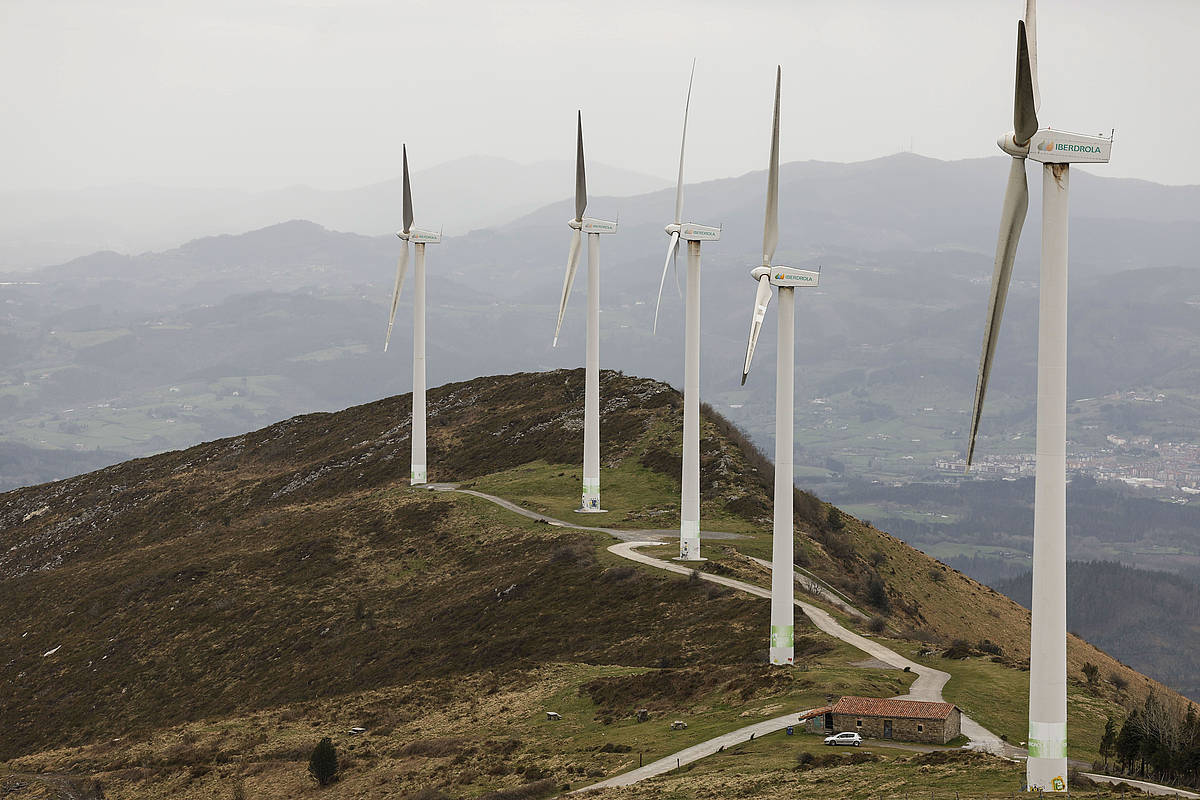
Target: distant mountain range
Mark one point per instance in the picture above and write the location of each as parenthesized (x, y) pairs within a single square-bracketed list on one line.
[(138, 353), (45, 227)]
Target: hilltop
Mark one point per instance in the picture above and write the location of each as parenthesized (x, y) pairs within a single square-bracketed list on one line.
[(194, 621)]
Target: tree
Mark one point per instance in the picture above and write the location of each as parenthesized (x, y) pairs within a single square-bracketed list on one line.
[(323, 764), (877, 593), (834, 519), (1129, 742), (1108, 742)]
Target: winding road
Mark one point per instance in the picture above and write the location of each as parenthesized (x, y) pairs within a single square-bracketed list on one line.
[(927, 686)]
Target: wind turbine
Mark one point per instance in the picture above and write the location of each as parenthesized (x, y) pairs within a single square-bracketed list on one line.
[(1056, 151), (783, 615), (693, 234), (420, 238), (591, 392)]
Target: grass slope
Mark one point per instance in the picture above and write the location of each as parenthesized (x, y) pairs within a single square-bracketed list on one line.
[(181, 625)]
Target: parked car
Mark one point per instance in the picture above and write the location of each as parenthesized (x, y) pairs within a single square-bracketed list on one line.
[(849, 737)]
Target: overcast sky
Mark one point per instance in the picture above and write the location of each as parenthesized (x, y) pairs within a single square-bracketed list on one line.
[(266, 93)]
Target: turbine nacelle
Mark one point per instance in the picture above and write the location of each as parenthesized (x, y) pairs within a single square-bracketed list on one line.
[(786, 276), (420, 236), (1051, 146), (1061, 147), (691, 232), (590, 225)]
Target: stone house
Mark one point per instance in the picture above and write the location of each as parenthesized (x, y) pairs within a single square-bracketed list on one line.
[(885, 718)]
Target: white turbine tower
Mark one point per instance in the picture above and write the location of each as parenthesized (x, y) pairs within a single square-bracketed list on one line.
[(693, 234), (783, 616), (591, 393), (420, 238), (1056, 150)]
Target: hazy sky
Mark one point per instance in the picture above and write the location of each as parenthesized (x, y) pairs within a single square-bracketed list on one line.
[(267, 93)]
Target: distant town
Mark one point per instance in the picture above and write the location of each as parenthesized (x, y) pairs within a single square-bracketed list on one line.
[(1135, 460)]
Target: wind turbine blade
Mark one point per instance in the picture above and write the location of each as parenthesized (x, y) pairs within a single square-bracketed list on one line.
[(761, 299), (580, 178), (1012, 218), (1031, 37), (401, 269), (771, 222), (572, 264), (679, 185), (670, 254), (1025, 122), (408, 213)]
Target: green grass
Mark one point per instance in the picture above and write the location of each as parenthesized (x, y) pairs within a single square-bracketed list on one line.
[(634, 497), (997, 697)]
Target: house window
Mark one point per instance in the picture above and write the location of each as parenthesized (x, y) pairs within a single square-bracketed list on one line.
[(858, 723), (920, 728)]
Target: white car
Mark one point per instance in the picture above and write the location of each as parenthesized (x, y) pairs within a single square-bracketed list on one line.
[(844, 738)]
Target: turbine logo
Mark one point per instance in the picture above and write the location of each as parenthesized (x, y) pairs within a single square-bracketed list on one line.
[(780, 277), (1049, 146), (1059, 784)]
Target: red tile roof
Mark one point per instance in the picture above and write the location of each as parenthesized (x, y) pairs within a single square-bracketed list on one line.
[(887, 707)]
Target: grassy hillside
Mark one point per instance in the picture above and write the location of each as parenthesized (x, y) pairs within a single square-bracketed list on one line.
[(190, 624)]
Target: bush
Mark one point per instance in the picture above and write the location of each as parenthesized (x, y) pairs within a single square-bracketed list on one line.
[(959, 648), (989, 647), (876, 591), (716, 590), (877, 558), (1118, 680), (936, 575), (1092, 673), (618, 574), (323, 763), (877, 624)]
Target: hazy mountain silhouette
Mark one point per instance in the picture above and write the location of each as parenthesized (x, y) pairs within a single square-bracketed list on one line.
[(905, 242), (44, 227)]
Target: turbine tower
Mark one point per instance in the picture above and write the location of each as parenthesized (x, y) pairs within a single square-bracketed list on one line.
[(1056, 151), (783, 609), (591, 393), (420, 238), (693, 234)]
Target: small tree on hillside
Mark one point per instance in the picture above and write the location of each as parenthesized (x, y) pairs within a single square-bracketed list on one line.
[(877, 593), (1108, 742), (833, 519), (323, 764)]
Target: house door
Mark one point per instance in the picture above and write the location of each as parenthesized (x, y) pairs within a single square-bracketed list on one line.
[(828, 721), (887, 729)]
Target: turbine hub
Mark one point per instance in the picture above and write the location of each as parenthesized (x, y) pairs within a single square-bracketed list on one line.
[(402, 235), (576, 224), (674, 227), (1008, 143), (758, 272)]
